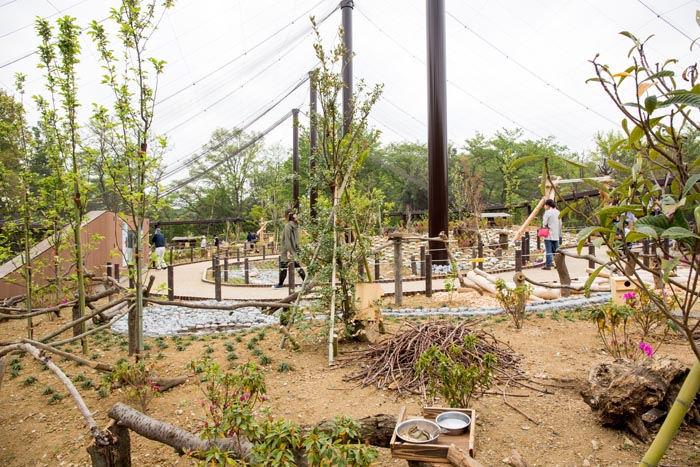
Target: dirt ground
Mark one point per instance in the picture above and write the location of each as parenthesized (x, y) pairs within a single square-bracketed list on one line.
[(559, 430)]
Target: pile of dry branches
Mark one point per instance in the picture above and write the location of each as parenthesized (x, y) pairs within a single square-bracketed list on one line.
[(391, 363)]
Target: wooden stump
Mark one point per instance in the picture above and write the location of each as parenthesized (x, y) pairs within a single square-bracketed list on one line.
[(117, 453), (621, 392)]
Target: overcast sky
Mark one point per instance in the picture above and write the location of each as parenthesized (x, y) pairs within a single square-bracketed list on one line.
[(510, 64)]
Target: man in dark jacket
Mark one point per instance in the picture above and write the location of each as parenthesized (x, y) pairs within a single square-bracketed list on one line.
[(158, 241)]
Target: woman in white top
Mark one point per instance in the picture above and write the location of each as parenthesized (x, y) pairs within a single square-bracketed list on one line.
[(551, 220)]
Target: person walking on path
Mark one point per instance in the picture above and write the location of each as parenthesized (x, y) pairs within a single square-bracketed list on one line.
[(551, 220), (158, 241), (289, 248)]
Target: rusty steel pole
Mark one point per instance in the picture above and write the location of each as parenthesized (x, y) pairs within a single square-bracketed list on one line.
[(295, 158), (346, 7), (437, 128), (313, 144)]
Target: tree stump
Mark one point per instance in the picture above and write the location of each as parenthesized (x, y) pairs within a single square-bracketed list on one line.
[(621, 392), (117, 453)]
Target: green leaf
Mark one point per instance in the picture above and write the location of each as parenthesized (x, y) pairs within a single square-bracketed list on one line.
[(618, 166), (686, 98), (524, 160), (609, 212), (593, 276), (650, 103), (596, 184), (689, 184), (696, 215), (646, 231), (679, 233), (586, 233), (660, 74), (636, 135), (667, 267)]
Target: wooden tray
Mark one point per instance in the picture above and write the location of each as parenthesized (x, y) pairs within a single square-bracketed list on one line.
[(437, 450)]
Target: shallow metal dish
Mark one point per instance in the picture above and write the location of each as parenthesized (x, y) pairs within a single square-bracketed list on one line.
[(413, 431), (453, 423)]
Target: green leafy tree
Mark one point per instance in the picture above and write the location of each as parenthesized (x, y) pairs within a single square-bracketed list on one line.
[(59, 56), (132, 165), (657, 100), (341, 151)]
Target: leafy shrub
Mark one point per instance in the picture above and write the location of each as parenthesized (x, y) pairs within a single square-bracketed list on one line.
[(513, 301), (232, 398), (455, 381)]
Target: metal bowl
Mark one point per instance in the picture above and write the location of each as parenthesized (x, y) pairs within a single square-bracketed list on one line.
[(418, 431), (453, 423)]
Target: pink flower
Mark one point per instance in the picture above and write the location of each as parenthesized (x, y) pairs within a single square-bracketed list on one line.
[(245, 397), (155, 388), (629, 296), (646, 348)]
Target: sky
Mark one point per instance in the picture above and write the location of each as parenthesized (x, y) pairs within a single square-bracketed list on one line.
[(242, 63)]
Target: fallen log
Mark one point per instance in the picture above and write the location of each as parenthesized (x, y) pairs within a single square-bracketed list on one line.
[(375, 430)]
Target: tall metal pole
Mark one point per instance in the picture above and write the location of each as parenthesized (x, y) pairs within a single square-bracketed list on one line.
[(346, 7), (313, 143), (437, 128), (295, 157)]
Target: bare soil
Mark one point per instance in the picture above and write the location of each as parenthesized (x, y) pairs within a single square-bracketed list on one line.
[(556, 429)]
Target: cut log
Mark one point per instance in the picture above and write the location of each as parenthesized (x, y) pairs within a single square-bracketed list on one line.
[(621, 392)]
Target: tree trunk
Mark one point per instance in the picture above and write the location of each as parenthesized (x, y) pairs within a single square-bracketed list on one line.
[(115, 454), (563, 271)]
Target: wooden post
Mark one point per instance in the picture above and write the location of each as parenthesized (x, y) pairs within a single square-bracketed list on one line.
[(238, 254), (414, 270), (398, 274), (539, 242), (191, 254), (108, 269), (480, 252), (591, 251), (263, 252), (290, 275), (246, 271), (172, 257), (422, 261), (226, 269), (217, 279), (667, 248), (376, 267), (518, 260), (171, 282), (525, 248), (428, 275), (116, 272)]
